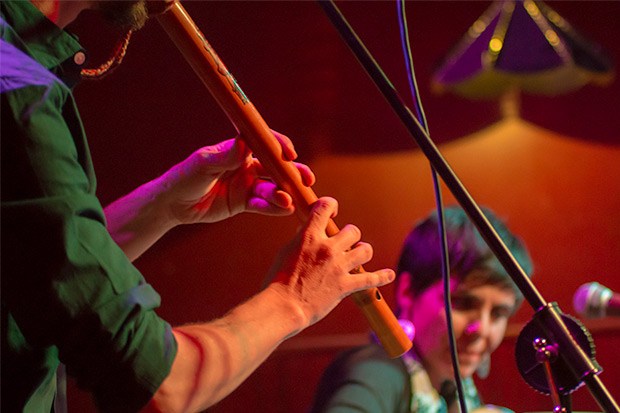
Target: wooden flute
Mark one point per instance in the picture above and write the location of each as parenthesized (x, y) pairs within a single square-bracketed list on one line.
[(254, 131)]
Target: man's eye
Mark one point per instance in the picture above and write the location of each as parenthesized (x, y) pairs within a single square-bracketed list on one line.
[(462, 303), (501, 313)]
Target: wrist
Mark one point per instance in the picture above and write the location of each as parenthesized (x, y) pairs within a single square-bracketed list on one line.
[(289, 306), (138, 219), (159, 202)]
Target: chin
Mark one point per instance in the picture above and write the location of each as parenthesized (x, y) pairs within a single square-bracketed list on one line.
[(126, 15), (468, 371)]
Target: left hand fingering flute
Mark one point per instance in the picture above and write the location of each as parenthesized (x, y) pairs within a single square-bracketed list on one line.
[(258, 136)]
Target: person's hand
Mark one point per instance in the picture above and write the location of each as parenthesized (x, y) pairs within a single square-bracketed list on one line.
[(313, 270), (219, 181)]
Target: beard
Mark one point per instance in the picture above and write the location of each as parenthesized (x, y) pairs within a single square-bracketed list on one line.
[(125, 15)]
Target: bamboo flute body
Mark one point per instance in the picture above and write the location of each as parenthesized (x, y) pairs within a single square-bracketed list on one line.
[(258, 136)]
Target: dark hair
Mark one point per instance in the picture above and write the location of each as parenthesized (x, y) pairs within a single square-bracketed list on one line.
[(421, 253)]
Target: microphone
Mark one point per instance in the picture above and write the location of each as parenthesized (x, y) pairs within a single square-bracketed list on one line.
[(593, 300)]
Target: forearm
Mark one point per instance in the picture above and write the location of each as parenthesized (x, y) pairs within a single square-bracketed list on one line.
[(214, 358), (311, 275), (137, 220)]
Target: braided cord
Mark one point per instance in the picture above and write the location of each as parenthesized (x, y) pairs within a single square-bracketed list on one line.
[(112, 62)]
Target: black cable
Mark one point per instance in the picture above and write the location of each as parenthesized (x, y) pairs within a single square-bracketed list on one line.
[(445, 264)]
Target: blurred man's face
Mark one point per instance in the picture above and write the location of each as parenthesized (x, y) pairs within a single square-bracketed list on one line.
[(126, 15), (480, 314)]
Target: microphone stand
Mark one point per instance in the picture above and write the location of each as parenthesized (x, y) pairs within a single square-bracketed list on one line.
[(548, 315)]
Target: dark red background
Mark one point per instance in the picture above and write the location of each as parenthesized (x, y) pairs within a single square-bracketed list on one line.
[(560, 191)]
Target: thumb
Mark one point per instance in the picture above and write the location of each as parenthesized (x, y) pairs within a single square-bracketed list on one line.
[(224, 156)]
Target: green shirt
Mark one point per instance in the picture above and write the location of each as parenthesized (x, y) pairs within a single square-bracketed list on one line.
[(366, 379), (69, 294)]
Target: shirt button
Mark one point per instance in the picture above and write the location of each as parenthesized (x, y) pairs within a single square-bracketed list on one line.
[(79, 58)]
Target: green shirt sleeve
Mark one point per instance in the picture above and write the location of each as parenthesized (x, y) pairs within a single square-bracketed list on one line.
[(65, 283)]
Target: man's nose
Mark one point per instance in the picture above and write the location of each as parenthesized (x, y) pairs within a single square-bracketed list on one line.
[(480, 325)]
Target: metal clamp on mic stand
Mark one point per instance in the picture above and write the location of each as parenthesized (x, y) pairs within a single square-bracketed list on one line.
[(543, 366), (548, 318), (545, 354)]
